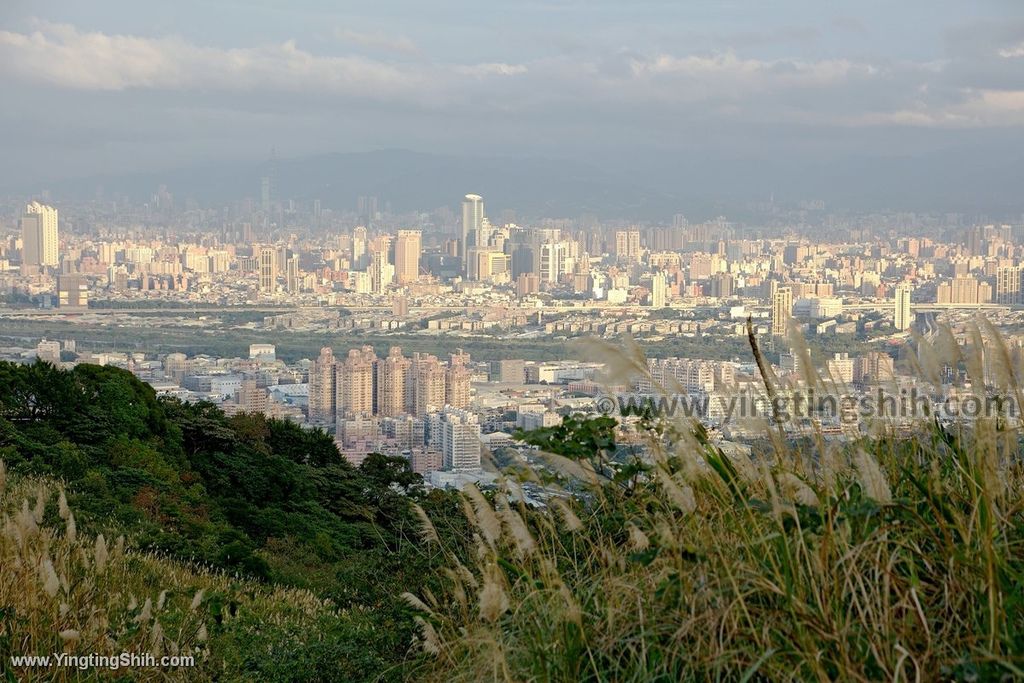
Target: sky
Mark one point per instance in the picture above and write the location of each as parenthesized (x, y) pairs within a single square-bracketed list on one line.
[(119, 86)]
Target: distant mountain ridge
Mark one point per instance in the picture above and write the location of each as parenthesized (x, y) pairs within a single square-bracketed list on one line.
[(642, 188), (408, 180)]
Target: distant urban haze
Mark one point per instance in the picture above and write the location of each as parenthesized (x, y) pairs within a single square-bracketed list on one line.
[(862, 104)]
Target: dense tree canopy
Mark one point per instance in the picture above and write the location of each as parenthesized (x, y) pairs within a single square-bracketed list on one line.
[(262, 497)]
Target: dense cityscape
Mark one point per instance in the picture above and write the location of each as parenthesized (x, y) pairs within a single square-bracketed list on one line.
[(491, 312), (556, 341)]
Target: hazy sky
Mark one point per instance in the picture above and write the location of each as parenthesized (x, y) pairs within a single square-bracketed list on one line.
[(121, 85)]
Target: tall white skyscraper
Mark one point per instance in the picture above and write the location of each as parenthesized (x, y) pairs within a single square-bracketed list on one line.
[(460, 441), (292, 274), (380, 270), (39, 236), (659, 290), (472, 222), (552, 261), (359, 243), (903, 317)]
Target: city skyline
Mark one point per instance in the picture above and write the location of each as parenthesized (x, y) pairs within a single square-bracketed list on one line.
[(562, 340)]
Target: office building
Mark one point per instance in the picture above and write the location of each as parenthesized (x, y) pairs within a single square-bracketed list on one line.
[(429, 384), (1008, 285), (460, 441), (627, 245), (507, 371), (407, 256), (459, 380), (359, 246), (354, 378), (252, 398), (267, 264), (903, 317), (381, 272), (781, 309), (472, 222), (292, 281), (659, 290), (39, 236), (72, 292), (392, 384), (322, 395)]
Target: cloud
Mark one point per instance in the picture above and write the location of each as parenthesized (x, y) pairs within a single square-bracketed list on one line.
[(63, 56), (378, 40), (492, 69), (1012, 52), (727, 68), (630, 87)]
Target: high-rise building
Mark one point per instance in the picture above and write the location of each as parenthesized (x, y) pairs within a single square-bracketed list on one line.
[(487, 263), (510, 371), (460, 441), (524, 256), (782, 309), (721, 285), (458, 381), (252, 398), (552, 261), (627, 245), (472, 222), (963, 289), (381, 272), (903, 318), (39, 236), (292, 275), (358, 246), (368, 207), (425, 461), (484, 233), (72, 291), (429, 384), (392, 383), (406, 433), (407, 256), (322, 395), (659, 290), (176, 366), (267, 268), (873, 368), (1008, 285), (354, 379), (526, 284)]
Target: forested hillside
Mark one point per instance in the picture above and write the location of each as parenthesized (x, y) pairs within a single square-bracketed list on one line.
[(261, 499), (251, 544)]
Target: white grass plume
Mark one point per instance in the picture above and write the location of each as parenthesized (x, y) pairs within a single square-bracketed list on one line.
[(872, 479)]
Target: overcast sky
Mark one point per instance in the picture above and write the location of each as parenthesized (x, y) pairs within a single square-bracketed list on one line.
[(120, 85)]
